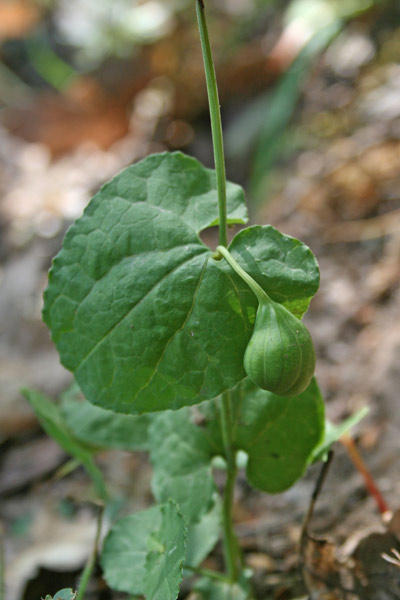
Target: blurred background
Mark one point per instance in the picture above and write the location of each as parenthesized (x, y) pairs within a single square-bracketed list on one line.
[(310, 95)]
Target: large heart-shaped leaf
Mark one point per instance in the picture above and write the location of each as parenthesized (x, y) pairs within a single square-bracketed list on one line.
[(139, 309)]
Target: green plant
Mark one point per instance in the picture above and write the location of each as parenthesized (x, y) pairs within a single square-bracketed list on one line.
[(65, 594), (151, 321)]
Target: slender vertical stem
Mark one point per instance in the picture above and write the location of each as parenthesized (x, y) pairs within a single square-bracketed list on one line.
[(231, 546), (87, 573), (215, 116)]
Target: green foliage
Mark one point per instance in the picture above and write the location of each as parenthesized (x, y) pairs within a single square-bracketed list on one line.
[(65, 594), (152, 322), (144, 553), (284, 267), (103, 428), (202, 536), (333, 433), (52, 421), (148, 318), (130, 293), (181, 459), (279, 435), (139, 309), (165, 560)]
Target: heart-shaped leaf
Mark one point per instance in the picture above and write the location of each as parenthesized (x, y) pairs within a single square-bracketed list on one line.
[(144, 552), (139, 309)]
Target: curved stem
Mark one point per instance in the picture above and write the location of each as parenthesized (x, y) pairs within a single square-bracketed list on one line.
[(253, 285), (215, 116)]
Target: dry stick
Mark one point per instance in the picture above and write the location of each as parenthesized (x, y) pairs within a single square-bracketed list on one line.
[(306, 522), (314, 497), (370, 484)]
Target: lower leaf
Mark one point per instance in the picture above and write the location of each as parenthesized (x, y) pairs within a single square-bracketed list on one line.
[(279, 435), (143, 553)]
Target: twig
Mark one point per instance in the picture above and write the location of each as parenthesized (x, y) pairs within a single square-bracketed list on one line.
[(369, 482)]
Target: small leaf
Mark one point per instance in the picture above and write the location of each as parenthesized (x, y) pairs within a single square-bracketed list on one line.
[(279, 434), (101, 427), (333, 433), (65, 594), (164, 567), (125, 549), (181, 459), (51, 419), (283, 266), (144, 552)]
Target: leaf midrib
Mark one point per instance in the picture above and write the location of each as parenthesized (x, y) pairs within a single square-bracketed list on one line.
[(138, 303)]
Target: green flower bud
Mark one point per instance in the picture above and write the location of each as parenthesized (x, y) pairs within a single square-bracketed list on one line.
[(280, 355)]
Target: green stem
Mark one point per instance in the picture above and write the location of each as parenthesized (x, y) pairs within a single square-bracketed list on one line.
[(87, 573), (215, 116), (253, 285), (231, 546), (210, 573)]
